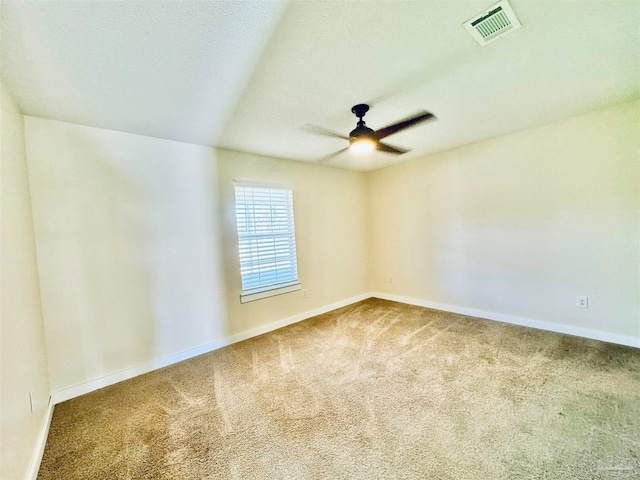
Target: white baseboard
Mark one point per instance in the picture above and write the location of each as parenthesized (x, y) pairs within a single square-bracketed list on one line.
[(41, 441), (76, 391), (515, 320), (72, 392), (69, 393)]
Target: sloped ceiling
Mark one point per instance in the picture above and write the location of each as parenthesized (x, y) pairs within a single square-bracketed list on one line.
[(249, 76), (168, 69)]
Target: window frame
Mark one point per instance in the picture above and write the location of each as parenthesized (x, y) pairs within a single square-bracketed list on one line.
[(266, 291)]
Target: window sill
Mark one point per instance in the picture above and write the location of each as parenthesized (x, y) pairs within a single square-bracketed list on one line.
[(245, 298)]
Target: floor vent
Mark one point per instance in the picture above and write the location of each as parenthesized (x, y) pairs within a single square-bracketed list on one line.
[(493, 23)]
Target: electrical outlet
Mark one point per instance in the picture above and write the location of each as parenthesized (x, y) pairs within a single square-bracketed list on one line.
[(304, 293), (582, 302), (390, 279)]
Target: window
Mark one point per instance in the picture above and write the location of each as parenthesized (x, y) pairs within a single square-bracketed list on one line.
[(266, 240)]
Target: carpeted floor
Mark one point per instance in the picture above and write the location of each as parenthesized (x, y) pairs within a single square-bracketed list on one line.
[(374, 390)]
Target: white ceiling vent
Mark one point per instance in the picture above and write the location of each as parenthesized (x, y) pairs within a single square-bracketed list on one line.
[(493, 23)]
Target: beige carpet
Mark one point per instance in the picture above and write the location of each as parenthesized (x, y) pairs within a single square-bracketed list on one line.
[(374, 390)]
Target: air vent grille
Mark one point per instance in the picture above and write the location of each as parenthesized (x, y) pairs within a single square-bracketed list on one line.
[(493, 23)]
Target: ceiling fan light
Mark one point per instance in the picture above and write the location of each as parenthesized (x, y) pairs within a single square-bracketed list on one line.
[(362, 146)]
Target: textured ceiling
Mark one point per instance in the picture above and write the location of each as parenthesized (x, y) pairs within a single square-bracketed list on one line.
[(168, 69), (246, 76)]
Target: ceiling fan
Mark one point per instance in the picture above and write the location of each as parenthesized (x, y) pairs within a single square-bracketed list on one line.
[(364, 139)]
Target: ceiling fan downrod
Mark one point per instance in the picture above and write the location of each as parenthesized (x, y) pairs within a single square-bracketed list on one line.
[(359, 111)]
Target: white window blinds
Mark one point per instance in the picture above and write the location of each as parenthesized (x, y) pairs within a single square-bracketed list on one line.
[(266, 237)]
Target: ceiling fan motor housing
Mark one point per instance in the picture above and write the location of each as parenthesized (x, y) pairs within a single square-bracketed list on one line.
[(361, 131)]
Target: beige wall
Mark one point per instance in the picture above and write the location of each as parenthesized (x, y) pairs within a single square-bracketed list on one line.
[(138, 248), (520, 224), (23, 367), (330, 220), (128, 248)]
